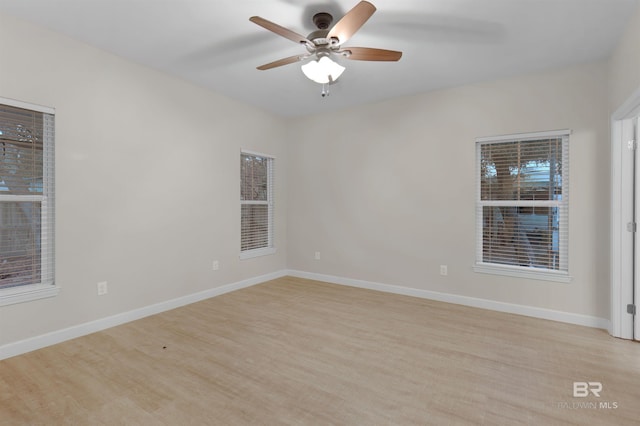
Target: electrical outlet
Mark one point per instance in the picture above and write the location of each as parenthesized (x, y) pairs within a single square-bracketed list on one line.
[(102, 288), (443, 270), (215, 265), (317, 256)]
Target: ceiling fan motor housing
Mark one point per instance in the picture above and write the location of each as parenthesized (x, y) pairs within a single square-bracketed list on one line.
[(323, 21), (319, 37)]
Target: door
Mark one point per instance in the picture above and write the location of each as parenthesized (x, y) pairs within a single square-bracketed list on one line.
[(625, 276), (636, 243)]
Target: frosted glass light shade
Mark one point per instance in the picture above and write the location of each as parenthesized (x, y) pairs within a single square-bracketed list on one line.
[(322, 71)]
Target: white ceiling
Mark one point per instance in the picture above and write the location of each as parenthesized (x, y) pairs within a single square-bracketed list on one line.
[(445, 42)]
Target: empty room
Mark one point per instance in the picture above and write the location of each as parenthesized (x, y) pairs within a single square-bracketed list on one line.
[(306, 212)]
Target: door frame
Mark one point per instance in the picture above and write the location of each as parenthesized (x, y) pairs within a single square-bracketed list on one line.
[(622, 184)]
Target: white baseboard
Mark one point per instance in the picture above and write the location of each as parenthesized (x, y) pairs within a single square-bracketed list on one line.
[(59, 336), (493, 305)]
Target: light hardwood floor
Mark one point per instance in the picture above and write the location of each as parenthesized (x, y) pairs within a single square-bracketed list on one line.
[(300, 352)]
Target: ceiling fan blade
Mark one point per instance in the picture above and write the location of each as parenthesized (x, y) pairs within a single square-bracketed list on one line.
[(369, 54), (281, 62), (280, 30), (352, 21)]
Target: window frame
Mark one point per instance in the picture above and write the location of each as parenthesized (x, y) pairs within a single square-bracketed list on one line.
[(270, 249), (530, 272), (28, 292)]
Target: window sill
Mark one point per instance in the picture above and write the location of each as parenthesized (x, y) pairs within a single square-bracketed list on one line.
[(522, 272), (27, 293), (249, 254)]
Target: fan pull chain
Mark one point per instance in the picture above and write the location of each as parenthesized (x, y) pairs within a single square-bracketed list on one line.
[(325, 90)]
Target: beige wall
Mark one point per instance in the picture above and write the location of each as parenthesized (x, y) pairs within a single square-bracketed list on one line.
[(625, 64), (147, 180), (386, 192)]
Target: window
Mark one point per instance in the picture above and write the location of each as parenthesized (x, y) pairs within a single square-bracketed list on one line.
[(522, 205), (256, 205), (26, 202)]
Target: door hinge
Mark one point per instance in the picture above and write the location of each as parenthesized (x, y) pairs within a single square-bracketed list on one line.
[(631, 227), (632, 145), (631, 309)]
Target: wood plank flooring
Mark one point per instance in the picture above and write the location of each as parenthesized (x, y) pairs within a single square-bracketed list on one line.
[(300, 352)]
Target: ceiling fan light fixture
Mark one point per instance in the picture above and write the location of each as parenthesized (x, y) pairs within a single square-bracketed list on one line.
[(322, 71)]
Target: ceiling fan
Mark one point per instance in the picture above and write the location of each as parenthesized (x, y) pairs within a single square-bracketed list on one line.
[(326, 42)]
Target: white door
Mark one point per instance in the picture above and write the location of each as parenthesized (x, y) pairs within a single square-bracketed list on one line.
[(625, 211), (636, 278)]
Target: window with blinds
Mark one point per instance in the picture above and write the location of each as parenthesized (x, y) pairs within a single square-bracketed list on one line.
[(256, 204), (522, 205), (26, 198)]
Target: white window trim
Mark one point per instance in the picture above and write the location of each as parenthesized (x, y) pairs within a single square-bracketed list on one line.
[(512, 270), (27, 293), (522, 272), (26, 105), (250, 254), (271, 249), (30, 292), (526, 136)]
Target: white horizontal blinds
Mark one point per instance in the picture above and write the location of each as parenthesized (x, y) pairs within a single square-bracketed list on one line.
[(26, 196), (522, 204), (256, 198), (563, 206), (48, 201)]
